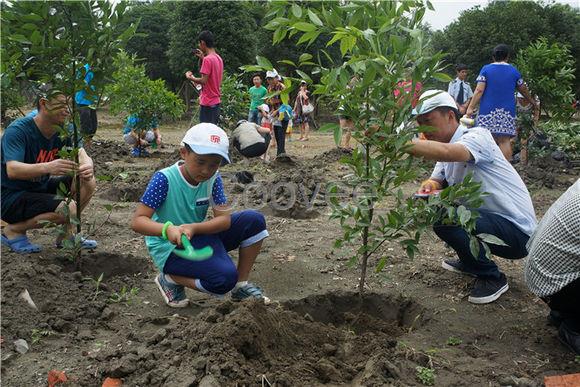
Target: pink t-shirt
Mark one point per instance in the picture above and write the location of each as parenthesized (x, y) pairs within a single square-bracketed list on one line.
[(213, 66)]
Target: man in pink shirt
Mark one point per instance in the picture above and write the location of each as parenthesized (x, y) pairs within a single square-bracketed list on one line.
[(212, 69)]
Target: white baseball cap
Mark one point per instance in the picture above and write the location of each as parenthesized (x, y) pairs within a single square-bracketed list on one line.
[(432, 99), (207, 139), (264, 107), (273, 74)]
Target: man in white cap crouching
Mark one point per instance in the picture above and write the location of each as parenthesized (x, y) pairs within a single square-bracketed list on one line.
[(507, 211)]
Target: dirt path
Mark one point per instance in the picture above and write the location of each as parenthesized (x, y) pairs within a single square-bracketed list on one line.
[(316, 332)]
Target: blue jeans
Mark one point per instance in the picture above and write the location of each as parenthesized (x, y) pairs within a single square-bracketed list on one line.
[(218, 274), (254, 116), (487, 223)]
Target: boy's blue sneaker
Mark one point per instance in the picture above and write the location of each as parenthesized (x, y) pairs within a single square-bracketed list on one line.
[(249, 291), (174, 295), (136, 152)]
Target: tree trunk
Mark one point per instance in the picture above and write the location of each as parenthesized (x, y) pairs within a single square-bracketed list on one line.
[(524, 151), (365, 259)]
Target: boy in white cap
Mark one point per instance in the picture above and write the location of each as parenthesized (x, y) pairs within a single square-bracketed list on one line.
[(176, 202), (507, 211)]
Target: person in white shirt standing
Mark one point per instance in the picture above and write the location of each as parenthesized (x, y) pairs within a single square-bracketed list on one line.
[(460, 90)]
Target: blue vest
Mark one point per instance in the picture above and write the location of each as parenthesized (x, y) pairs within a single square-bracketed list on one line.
[(184, 204)]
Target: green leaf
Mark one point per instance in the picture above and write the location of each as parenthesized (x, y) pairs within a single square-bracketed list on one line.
[(442, 77), (19, 38), (264, 62), (464, 217), (304, 27), (304, 76), (36, 37), (296, 10), (337, 134), (491, 239), (474, 246), (123, 175), (304, 57), (381, 265), (32, 17), (29, 27), (308, 37), (314, 19), (288, 62), (104, 177), (108, 207)]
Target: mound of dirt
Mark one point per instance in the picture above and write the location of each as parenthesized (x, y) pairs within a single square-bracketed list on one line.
[(332, 338), (549, 173), (104, 151), (110, 265), (129, 189), (332, 156), (66, 299), (123, 193), (291, 193), (168, 160)]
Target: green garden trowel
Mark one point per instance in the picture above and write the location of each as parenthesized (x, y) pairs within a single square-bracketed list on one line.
[(188, 252)]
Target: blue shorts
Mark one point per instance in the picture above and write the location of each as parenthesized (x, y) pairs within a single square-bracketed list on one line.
[(218, 274)]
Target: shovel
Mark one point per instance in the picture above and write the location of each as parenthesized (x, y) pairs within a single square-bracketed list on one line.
[(189, 253)]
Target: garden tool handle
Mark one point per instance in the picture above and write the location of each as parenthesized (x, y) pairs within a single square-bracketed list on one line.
[(188, 252)]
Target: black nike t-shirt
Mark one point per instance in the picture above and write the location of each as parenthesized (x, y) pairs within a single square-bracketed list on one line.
[(22, 141)]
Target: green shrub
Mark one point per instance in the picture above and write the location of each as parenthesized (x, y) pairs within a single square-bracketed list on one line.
[(564, 136), (235, 100)]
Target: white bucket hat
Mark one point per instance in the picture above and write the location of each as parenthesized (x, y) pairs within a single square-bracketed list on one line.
[(207, 139), (264, 107), (272, 74)]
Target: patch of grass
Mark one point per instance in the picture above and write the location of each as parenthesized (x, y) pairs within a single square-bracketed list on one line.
[(38, 334), (425, 375), (125, 295), (453, 341), (97, 283)]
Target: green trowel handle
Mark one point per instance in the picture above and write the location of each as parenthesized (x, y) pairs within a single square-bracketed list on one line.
[(188, 252)]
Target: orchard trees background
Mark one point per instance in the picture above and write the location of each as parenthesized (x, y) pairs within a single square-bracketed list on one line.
[(473, 35)]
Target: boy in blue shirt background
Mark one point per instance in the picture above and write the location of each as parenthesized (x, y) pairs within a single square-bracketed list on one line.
[(140, 138), (86, 104), (176, 202)]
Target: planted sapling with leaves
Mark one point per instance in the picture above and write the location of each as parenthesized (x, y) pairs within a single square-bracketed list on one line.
[(51, 43), (383, 63), (147, 101)]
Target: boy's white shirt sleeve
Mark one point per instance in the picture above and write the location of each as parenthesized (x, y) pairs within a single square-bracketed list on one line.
[(480, 144), (439, 171)]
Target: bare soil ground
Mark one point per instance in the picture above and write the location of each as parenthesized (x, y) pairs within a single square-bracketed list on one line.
[(317, 331)]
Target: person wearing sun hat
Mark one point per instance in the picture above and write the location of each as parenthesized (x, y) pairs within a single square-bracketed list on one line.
[(176, 202), (507, 211), (274, 103)]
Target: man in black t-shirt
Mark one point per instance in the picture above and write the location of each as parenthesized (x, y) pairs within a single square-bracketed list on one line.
[(32, 172)]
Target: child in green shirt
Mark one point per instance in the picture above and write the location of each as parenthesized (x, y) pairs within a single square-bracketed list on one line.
[(257, 94), (176, 202)]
